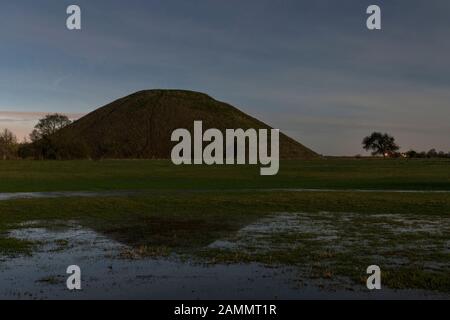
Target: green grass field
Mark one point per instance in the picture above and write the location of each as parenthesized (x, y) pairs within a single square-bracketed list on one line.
[(170, 221), (27, 176)]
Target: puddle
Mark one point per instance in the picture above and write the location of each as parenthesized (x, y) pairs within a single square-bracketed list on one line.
[(63, 194), (333, 230), (87, 194), (340, 242), (105, 275)]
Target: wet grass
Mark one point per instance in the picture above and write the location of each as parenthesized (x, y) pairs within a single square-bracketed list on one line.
[(11, 247), (165, 222), (146, 251), (195, 219), (412, 249), (186, 223)]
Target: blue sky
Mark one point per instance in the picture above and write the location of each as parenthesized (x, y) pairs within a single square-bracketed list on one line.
[(310, 68)]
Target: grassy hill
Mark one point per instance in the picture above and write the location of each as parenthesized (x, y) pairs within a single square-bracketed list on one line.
[(140, 126)]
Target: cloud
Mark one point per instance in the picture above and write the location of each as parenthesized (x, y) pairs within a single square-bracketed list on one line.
[(308, 67)]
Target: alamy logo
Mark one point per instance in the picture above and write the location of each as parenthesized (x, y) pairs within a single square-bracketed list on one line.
[(73, 21), (374, 20), (74, 280), (236, 148), (374, 280)]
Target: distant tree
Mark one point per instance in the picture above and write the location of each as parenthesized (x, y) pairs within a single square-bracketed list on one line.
[(27, 150), (380, 144), (8, 145), (432, 153), (49, 125), (412, 154)]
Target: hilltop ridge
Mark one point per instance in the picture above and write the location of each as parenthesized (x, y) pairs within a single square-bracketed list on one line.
[(140, 126)]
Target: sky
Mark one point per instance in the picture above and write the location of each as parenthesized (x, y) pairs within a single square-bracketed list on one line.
[(309, 68)]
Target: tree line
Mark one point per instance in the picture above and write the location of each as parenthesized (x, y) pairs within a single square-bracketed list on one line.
[(41, 143), (383, 144), (44, 143)]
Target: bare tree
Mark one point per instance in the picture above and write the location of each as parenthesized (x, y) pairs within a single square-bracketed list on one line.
[(8, 145)]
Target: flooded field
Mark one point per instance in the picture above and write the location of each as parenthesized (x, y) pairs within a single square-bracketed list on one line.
[(282, 256), (412, 250), (110, 270)]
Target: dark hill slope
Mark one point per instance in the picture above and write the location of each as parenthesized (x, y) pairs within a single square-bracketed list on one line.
[(140, 126)]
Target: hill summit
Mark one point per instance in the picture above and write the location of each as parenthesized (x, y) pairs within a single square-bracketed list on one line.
[(140, 125)]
